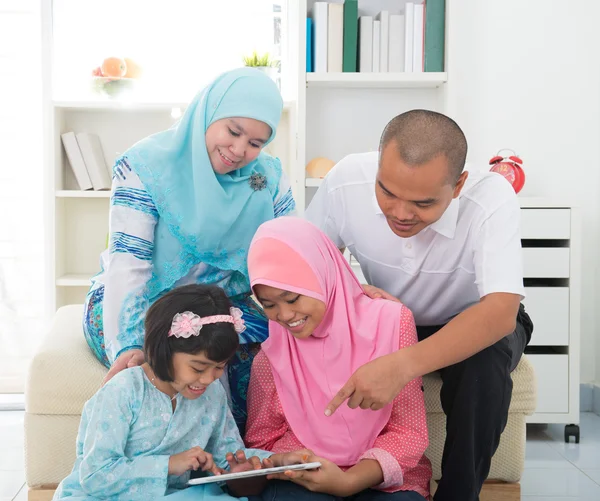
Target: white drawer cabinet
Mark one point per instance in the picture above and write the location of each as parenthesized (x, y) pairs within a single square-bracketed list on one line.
[(549, 307), (546, 224), (544, 262), (552, 374), (551, 235)]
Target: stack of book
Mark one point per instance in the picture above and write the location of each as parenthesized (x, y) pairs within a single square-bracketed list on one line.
[(86, 157), (339, 39)]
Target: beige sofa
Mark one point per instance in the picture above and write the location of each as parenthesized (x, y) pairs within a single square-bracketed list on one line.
[(64, 374)]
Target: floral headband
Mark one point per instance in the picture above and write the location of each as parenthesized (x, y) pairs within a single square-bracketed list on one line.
[(188, 324)]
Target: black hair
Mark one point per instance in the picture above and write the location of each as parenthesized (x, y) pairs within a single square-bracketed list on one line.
[(217, 341), (422, 135)]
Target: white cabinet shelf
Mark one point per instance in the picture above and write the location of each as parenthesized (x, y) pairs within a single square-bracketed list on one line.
[(82, 194), (313, 182), (376, 80), (74, 280)]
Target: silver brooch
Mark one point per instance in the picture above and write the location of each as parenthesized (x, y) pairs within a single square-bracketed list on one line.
[(258, 182)]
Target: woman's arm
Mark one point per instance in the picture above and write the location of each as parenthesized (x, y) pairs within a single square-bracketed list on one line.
[(283, 199), (133, 218)]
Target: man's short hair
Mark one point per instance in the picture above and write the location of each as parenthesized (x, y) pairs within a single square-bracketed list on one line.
[(422, 135)]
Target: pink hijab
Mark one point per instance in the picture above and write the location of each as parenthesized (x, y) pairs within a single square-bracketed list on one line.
[(292, 254)]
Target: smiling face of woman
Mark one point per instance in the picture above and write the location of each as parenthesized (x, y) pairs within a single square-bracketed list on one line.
[(232, 143), (297, 313)]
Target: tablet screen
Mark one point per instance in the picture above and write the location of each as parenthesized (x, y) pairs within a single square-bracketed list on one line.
[(252, 473)]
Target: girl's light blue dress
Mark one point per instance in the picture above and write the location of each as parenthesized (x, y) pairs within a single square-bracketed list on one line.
[(128, 431)]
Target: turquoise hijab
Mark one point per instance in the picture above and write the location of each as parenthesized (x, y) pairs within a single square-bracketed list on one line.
[(205, 217)]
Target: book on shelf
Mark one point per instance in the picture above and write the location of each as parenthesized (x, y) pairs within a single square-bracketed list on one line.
[(76, 161), (433, 53), (309, 45), (407, 40), (409, 36), (350, 36), (396, 44), (95, 163), (335, 37), (320, 11), (384, 40), (419, 20), (376, 59), (365, 36)]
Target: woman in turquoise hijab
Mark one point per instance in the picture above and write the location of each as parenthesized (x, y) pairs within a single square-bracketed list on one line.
[(185, 205)]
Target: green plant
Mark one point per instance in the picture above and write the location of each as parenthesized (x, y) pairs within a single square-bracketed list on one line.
[(256, 60)]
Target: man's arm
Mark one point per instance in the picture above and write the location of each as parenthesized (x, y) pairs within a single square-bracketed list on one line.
[(377, 383), (470, 332), (499, 278)]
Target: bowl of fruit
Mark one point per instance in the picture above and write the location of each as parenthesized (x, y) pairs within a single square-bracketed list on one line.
[(116, 76)]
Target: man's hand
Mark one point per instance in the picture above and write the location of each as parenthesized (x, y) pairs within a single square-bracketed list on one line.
[(376, 293), (131, 358), (375, 384)]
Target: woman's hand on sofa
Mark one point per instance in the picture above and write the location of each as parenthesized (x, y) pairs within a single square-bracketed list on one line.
[(131, 358)]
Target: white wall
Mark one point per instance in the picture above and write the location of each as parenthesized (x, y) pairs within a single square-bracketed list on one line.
[(525, 75)]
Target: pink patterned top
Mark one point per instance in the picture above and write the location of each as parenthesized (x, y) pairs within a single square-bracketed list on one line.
[(399, 448)]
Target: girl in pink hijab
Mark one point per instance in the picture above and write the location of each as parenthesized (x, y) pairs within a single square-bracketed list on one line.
[(322, 327)]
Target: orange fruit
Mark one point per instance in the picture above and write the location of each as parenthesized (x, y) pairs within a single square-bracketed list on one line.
[(134, 70), (114, 67)]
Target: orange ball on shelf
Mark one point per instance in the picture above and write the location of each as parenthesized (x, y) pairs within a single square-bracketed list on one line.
[(134, 70), (319, 167), (114, 67)]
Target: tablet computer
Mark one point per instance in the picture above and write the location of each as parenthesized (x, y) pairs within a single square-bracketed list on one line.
[(253, 473)]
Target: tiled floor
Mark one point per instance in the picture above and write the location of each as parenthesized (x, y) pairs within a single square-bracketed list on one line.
[(554, 471)]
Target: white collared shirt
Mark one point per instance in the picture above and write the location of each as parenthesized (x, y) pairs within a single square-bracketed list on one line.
[(473, 250)]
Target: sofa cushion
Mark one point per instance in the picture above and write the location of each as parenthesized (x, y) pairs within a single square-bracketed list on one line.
[(523, 395), (64, 373)]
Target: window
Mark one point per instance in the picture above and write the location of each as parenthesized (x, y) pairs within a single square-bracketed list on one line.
[(21, 191), (181, 44)]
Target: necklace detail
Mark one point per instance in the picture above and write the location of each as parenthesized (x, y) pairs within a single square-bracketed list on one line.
[(153, 378)]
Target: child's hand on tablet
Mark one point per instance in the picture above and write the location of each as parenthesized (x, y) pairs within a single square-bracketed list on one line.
[(296, 457), (192, 459), (238, 462), (244, 487)]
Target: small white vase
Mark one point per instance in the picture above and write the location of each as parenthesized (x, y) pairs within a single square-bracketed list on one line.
[(270, 71)]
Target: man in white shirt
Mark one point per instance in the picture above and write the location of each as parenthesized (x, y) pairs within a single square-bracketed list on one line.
[(446, 244)]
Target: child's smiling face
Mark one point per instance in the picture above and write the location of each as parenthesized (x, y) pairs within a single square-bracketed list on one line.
[(297, 313), (193, 373)]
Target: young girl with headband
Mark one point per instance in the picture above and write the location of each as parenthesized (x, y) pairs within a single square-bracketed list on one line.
[(148, 428)]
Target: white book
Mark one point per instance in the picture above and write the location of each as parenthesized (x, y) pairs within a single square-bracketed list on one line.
[(320, 11), (418, 38), (384, 26), (93, 156), (365, 34), (376, 46), (409, 28), (335, 38), (396, 45), (76, 160)]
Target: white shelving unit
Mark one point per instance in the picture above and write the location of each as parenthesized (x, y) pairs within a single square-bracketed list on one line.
[(376, 80), (327, 115), (76, 220)]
